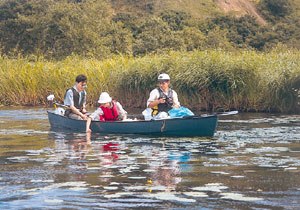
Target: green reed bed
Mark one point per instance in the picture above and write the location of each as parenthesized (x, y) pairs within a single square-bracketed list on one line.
[(206, 80)]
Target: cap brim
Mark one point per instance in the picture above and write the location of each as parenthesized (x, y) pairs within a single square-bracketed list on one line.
[(162, 80), (103, 102)]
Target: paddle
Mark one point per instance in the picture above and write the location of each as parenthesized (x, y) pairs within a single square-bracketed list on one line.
[(213, 114), (60, 105), (226, 113), (51, 97)]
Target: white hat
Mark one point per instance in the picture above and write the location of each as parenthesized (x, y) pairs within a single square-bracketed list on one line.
[(104, 98), (163, 77)]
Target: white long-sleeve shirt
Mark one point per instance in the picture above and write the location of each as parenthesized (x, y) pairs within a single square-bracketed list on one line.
[(96, 114)]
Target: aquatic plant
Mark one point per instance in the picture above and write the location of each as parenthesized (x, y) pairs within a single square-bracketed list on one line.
[(207, 80)]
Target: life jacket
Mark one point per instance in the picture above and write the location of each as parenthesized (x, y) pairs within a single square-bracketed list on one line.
[(165, 107), (110, 114), (78, 104)]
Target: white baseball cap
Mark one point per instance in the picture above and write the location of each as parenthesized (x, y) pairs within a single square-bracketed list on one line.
[(163, 77), (104, 98)]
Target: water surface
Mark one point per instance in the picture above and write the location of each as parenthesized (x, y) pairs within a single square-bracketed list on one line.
[(252, 162)]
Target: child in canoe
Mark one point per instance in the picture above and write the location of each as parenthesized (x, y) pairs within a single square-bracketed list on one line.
[(109, 110)]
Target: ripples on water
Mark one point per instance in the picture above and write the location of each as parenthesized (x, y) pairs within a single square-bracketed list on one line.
[(251, 163)]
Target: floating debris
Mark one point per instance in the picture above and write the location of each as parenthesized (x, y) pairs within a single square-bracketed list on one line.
[(118, 195), (196, 194), (41, 181), (291, 168), (114, 183), (238, 197), (212, 187), (110, 188), (137, 177), (149, 170), (158, 188), (219, 172), (249, 171), (106, 176), (19, 158), (169, 197), (53, 201), (238, 176), (94, 168), (78, 188), (135, 188)]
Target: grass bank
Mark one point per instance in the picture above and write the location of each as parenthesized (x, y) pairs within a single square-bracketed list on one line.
[(206, 80)]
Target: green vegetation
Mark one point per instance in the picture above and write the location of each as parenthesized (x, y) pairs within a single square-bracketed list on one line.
[(217, 60), (56, 29), (206, 80)]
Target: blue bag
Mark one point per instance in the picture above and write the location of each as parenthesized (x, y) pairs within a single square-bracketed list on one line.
[(181, 112)]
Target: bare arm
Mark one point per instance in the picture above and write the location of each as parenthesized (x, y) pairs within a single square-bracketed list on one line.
[(88, 123), (121, 112), (83, 109), (84, 105), (175, 101), (74, 110), (156, 102)]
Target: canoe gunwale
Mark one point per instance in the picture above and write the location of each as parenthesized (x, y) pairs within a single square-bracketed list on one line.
[(152, 120)]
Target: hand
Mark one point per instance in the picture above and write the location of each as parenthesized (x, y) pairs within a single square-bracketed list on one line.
[(84, 117), (161, 101), (175, 106)]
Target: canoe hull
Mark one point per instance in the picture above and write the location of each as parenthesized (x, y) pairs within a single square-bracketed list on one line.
[(194, 126)]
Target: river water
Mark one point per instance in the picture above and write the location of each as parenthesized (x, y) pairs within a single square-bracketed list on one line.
[(252, 162)]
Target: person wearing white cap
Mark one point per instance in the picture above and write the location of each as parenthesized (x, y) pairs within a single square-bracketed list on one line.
[(163, 98), (109, 110)]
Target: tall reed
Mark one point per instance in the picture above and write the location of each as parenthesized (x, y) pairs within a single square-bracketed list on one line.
[(206, 80)]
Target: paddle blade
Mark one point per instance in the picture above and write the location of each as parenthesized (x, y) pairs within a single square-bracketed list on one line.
[(227, 113)]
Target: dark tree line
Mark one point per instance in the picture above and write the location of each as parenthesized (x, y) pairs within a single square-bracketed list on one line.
[(59, 28)]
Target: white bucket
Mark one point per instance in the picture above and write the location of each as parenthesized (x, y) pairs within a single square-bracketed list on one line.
[(147, 114), (60, 111)]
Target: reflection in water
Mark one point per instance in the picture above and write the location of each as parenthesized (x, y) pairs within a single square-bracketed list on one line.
[(251, 163), (125, 165), (72, 148)]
